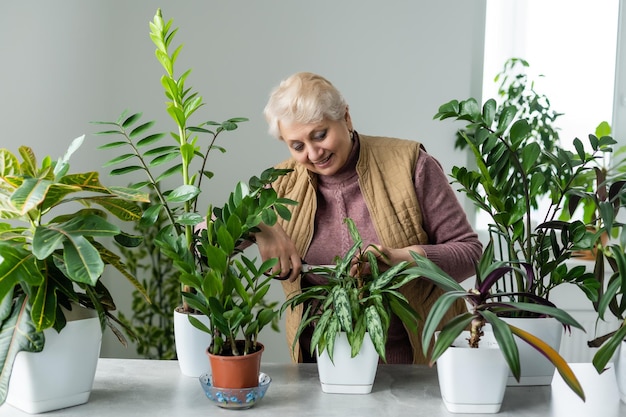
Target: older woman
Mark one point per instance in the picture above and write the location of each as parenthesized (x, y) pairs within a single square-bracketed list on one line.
[(397, 194)]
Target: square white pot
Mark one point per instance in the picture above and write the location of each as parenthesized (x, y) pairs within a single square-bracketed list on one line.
[(348, 375), (473, 380), (536, 369), (62, 374)]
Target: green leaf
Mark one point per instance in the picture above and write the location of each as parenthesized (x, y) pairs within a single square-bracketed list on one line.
[(183, 193), (113, 145), (606, 352), (520, 131), (530, 156), (140, 129), (553, 356), (150, 215), (341, 305), (131, 120), (506, 343), (44, 307), (150, 139), (16, 334), (82, 260), (375, 330), (489, 111), (436, 314), (506, 118), (30, 194), (17, 265), (119, 159), (448, 335), (126, 170)]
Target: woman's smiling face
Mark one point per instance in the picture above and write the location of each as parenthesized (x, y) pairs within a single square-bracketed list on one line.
[(322, 147)]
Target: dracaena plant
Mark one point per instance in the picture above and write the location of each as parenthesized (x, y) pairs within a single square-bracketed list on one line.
[(229, 287), (358, 303), (511, 172), (52, 253), (486, 304), (182, 160)]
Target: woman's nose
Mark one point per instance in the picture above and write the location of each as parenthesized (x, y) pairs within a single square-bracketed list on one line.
[(314, 153)]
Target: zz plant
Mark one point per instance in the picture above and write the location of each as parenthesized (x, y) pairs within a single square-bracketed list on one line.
[(182, 160), (229, 287), (354, 300), (509, 176)]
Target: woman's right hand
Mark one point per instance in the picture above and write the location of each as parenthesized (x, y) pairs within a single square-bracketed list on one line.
[(273, 242)]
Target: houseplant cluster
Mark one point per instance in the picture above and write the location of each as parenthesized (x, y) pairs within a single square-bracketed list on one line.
[(54, 266)]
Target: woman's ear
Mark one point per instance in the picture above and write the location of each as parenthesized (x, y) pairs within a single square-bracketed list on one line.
[(348, 119)]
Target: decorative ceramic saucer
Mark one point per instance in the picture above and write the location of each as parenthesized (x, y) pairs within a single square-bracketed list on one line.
[(235, 397)]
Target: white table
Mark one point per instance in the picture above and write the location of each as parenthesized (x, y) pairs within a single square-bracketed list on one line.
[(131, 387)]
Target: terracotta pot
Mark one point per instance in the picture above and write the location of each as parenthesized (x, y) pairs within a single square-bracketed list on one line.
[(236, 371)]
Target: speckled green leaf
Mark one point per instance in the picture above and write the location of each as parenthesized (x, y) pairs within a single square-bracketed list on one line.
[(341, 303), (375, 330)]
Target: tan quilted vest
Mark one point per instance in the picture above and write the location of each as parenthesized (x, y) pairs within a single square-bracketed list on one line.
[(386, 167)]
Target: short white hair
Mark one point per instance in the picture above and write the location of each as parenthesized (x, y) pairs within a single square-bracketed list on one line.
[(304, 98)]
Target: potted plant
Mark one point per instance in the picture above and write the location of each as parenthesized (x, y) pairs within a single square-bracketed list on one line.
[(509, 175), (174, 172), (52, 256), (351, 313), (465, 371), (229, 288), (612, 284), (613, 301), (596, 193)]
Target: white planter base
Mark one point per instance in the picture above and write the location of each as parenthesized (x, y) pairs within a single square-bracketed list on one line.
[(472, 380), (348, 375), (191, 344), (535, 368), (346, 389), (62, 374)]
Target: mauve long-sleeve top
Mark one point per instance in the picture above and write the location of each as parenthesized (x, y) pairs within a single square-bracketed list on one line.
[(453, 245)]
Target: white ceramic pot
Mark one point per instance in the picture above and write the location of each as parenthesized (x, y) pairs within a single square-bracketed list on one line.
[(62, 374), (348, 375), (536, 369), (473, 380), (191, 344), (601, 394), (620, 370)]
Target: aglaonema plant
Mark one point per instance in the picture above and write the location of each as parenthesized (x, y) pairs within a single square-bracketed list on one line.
[(486, 305), (184, 157), (358, 299)]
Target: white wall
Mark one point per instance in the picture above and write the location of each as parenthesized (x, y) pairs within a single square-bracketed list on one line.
[(66, 63)]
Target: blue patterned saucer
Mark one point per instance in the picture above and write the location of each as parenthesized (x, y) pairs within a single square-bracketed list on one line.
[(235, 397)]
